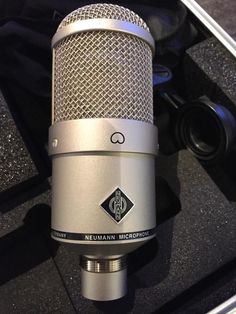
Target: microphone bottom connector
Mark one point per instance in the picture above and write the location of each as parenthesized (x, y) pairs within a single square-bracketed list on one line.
[(103, 279)]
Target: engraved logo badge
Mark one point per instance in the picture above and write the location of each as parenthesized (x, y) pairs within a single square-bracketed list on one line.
[(117, 205)]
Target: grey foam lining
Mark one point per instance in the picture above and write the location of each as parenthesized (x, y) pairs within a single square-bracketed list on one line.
[(16, 164), (211, 65)]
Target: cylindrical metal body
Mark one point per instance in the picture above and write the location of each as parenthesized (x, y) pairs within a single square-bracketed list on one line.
[(88, 172), (103, 142)]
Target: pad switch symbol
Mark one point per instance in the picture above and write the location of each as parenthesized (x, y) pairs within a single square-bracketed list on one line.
[(117, 138)]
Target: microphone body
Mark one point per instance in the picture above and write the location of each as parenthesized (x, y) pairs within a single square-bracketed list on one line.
[(103, 142)]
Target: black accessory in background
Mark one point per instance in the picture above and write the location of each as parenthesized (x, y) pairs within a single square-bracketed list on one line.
[(206, 129)]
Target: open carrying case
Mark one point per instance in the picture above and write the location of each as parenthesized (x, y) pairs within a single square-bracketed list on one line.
[(189, 266)]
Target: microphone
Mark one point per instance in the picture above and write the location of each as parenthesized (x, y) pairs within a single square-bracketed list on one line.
[(103, 142)]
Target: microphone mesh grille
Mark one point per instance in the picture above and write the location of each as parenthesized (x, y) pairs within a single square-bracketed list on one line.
[(102, 74), (103, 10)]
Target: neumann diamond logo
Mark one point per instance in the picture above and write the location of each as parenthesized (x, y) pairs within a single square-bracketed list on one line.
[(117, 205)]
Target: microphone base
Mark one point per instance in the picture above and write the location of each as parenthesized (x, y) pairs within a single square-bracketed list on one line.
[(103, 279)]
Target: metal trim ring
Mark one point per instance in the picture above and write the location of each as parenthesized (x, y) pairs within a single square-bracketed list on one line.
[(106, 25), (102, 265), (103, 135)]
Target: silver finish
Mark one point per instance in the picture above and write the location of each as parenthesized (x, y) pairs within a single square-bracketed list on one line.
[(102, 74), (228, 307), (53, 83), (103, 279), (103, 10), (101, 250), (103, 135), (103, 286), (82, 181), (103, 83), (99, 265), (211, 24), (104, 25)]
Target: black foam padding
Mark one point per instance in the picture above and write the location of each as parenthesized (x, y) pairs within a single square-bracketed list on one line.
[(206, 295), (16, 164), (36, 290), (15, 216), (209, 69), (189, 247), (29, 280)]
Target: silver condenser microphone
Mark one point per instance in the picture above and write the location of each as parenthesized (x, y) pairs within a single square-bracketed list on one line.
[(103, 142)]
